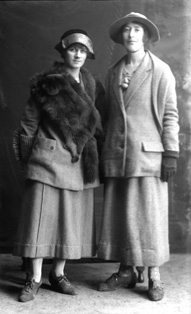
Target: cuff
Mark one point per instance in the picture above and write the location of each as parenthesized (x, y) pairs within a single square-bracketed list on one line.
[(26, 144), (171, 153)]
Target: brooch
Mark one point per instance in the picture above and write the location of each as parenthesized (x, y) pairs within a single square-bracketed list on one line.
[(126, 77)]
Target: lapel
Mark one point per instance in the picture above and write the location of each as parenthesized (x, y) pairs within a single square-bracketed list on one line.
[(116, 80), (138, 78)]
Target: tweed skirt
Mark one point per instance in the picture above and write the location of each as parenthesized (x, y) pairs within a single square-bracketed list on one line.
[(56, 223), (134, 227)]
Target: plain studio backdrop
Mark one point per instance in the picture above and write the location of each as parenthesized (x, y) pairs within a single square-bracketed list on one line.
[(29, 31)]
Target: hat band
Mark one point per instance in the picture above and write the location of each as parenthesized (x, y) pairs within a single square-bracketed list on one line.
[(77, 38)]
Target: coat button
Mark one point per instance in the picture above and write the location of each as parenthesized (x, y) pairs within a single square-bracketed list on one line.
[(51, 147)]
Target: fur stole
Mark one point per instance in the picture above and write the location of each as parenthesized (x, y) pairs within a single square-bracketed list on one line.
[(70, 108)]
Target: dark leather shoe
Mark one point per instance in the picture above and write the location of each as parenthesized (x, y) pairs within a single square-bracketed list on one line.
[(61, 284), (30, 290), (156, 290), (115, 281)]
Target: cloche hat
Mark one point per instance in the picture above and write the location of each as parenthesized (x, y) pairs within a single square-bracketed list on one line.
[(74, 36), (116, 27)]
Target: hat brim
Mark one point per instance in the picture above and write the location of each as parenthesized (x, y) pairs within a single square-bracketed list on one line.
[(76, 39), (116, 28)]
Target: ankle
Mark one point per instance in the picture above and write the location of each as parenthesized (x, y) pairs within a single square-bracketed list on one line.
[(56, 274), (36, 269), (154, 273), (58, 267), (36, 278)]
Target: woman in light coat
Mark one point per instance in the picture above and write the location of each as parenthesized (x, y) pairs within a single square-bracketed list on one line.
[(57, 144), (138, 158)]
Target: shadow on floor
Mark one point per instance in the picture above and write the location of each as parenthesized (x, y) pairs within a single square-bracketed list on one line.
[(85, 277)]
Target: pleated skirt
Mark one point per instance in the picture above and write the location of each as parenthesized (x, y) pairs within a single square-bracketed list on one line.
[(56, 223), (134, 227)]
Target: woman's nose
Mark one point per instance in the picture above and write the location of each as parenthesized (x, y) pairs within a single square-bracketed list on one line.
[(130, 32), (77, 53)]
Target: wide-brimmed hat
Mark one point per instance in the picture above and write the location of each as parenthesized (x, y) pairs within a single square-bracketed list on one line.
[(117, 26), (75, 36)]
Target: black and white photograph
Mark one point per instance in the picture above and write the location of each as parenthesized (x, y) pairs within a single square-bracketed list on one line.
[(95, 157)]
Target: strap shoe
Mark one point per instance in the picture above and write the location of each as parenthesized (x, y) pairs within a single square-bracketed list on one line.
[(30, 290), (156, 290), (61, 284), (128, 281)]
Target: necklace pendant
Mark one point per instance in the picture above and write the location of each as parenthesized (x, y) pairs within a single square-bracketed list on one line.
[(124, 85)]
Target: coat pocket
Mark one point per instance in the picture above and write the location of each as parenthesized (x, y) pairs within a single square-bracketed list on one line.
[(43, 151), (151, 158), (45, 143), (152, 147)]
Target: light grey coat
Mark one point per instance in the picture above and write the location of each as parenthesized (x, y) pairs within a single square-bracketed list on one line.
[(129, 152)]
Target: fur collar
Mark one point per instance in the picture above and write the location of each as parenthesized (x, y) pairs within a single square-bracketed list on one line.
[(58, 70), (70, 109)]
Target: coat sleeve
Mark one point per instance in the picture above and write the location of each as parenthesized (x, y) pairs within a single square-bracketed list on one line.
[(30, 118), (24, 136), (171, 117)]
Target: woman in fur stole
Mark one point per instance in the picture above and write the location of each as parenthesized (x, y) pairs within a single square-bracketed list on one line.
[(58, 145), (139, 157)]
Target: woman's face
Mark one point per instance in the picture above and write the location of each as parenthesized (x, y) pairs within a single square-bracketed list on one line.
[(75, 56), (134, 37)]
